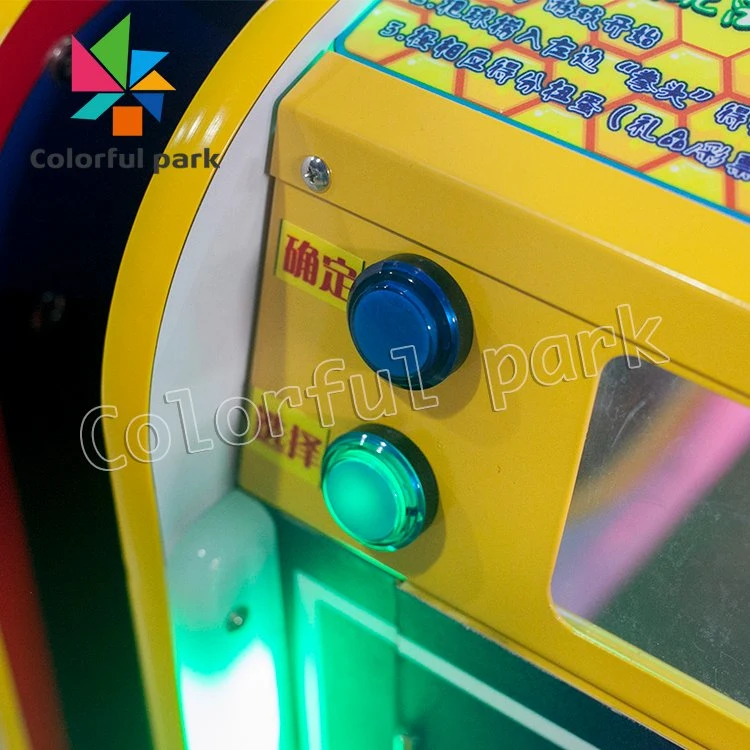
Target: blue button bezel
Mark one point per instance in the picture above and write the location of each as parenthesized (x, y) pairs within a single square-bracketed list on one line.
[(432, 289)]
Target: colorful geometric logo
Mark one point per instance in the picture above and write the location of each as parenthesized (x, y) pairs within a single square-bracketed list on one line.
[(112, 69)]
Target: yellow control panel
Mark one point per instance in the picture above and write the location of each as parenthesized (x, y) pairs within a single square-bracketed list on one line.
[(563, 286), (476, 275)]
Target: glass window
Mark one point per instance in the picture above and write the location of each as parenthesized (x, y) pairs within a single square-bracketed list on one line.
[(656, 548)]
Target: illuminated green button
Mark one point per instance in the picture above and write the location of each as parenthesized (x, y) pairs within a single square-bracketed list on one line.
[(379, 487)]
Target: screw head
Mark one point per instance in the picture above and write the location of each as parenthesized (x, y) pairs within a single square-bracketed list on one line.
[(316, 174), (237, 618), (59, 60), (405, 742), (48, 312)]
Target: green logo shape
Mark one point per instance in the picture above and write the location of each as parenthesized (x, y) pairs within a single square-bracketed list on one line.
[(112, 51)]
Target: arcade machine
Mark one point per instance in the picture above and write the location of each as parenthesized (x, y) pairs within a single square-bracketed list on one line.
[(30, 710), (64, 613), (30, 713), (424, 392)]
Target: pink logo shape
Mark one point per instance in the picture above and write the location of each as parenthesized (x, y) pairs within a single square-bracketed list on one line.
[(88, 74)]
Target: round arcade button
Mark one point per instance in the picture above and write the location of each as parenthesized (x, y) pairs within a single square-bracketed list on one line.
[(407, 315), (379, 487)]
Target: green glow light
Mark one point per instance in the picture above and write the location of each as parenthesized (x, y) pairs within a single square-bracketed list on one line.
[(378, 487), (365, 496), (230, 670)]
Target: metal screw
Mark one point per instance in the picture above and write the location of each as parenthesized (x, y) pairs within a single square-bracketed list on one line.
[(48, 312), (316, 174), (60, 60), (237, 618), (405, 742)]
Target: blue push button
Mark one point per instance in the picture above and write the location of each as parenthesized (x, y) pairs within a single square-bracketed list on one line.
[(408, 315)]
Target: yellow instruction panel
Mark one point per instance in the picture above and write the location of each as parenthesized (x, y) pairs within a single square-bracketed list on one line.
[(659, 88)]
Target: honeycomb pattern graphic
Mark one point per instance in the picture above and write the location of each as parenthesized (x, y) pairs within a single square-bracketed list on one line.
[(695, 47)]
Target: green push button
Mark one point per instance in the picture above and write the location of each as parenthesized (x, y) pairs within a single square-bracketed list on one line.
[(379, 487)]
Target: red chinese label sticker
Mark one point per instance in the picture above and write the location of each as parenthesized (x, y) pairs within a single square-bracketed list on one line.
[(311, 263), (287, 437)]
